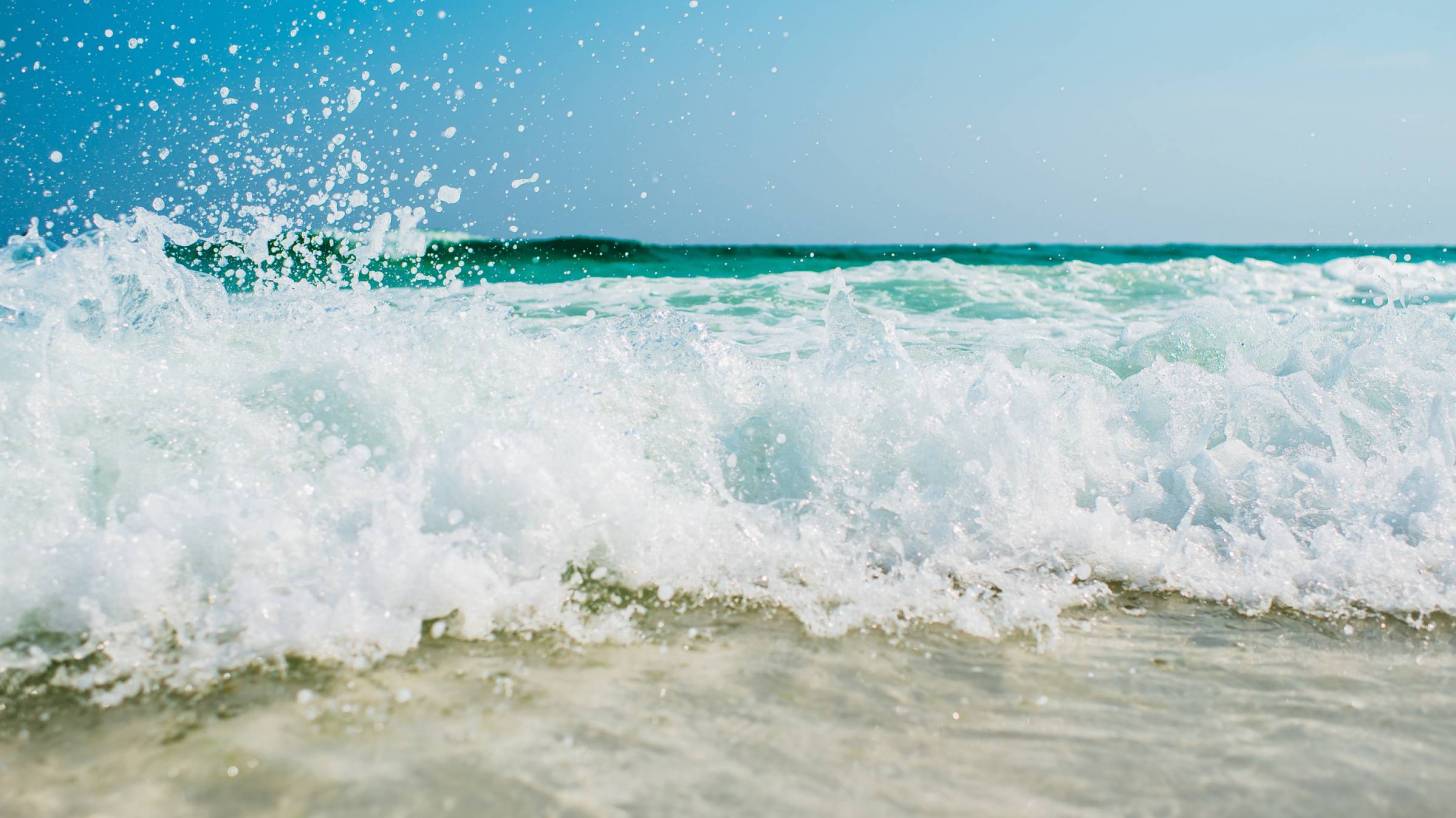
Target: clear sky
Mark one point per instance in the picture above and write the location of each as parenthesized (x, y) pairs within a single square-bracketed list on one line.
[(749, 121)]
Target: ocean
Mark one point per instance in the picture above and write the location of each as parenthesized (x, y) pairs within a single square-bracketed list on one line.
[(412, 523)]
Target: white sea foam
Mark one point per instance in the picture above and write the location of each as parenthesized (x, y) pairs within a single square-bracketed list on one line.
[(196, 480)]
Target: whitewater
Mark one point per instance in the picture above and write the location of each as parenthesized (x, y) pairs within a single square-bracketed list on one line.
[(202, 476)]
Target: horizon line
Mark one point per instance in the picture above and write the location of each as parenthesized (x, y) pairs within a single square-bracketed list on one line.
[(460, 235)]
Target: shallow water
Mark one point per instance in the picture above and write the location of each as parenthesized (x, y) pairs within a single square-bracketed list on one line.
[(1145, 706)]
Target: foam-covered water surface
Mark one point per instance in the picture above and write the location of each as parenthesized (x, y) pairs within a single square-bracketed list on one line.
[(201, 476)]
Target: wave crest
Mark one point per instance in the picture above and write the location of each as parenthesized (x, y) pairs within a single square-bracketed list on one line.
[(201, 480)]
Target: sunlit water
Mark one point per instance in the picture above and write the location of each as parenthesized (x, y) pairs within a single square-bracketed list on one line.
[(1163, 708), (925, 484)]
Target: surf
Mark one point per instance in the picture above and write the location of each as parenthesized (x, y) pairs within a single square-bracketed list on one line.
[(204, 476)]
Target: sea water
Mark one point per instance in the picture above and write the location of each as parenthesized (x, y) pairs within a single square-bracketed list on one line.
[(399, 523)]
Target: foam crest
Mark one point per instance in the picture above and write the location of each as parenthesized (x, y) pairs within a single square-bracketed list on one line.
[(199, 480)]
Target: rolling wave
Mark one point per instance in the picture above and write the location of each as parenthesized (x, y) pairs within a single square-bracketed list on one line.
[(203, 476)]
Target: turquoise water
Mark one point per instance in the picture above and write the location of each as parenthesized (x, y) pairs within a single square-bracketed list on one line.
[(552, 261)]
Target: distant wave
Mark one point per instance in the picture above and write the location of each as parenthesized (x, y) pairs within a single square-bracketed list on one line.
[(313, 256)]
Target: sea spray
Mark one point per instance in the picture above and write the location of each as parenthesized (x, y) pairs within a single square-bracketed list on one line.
[(200, 477)]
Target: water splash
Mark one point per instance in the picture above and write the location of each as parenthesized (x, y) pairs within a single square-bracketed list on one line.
[(198, 479)]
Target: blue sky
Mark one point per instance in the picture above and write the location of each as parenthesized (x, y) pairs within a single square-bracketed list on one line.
[(750, 121)]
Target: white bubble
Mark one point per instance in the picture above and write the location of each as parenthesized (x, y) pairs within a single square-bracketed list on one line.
[(56, 156)]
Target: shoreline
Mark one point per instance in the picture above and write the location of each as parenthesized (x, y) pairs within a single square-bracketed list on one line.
[(716, 710)]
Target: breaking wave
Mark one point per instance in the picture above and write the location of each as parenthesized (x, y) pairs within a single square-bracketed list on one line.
[(199, 477)]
